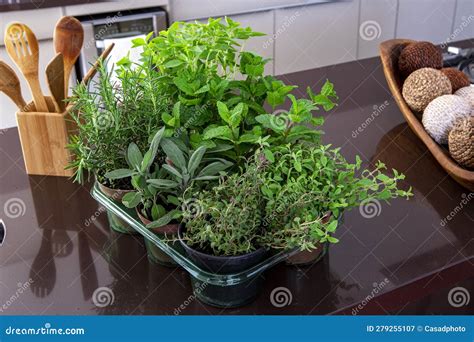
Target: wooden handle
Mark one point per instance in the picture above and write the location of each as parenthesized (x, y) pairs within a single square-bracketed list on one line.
[(38, 98), (92, 71)]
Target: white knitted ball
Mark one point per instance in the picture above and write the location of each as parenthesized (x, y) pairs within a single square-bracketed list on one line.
[(441, 114), (466, 93)]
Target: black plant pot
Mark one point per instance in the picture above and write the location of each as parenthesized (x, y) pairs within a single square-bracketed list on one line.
[(238, 293)]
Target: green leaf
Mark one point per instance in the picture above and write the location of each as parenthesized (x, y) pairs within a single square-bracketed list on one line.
[(222, 132), (134, 156), (162, 183), (131, 199), (157, 211), (195, 160), (269, 155), (236, 115), (174, 153), (152, 151), (119, 174), (223, 112), (213, 169), (331, 227), (332, 239), (165, 219), (172, 170), (173, 63), (248, 138)]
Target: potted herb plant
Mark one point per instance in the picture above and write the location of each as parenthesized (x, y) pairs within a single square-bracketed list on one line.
[(308, 188), (159, 195), (110, 113), (223, 237)]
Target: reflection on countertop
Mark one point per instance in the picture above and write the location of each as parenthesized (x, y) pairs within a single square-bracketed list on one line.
[(59, 249)]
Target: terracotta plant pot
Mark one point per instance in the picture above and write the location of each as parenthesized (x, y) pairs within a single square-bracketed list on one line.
[(155, 254), (115, 222)]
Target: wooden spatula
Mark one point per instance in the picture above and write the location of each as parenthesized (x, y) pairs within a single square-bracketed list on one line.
[(55, 78), (22, 47), (68, 39), (10, 85)]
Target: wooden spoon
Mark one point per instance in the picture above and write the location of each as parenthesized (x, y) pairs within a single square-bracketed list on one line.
[(55, 78), (10, 85), (92, 71), (68, 39), (22, 47)]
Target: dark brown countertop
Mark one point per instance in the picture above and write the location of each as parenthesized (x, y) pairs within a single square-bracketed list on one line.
[(20, 5), (61, 239)]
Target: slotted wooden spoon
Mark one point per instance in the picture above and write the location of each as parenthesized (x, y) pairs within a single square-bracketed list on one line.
[(55, 78), (22, 47), (10, 85), (68, 40)]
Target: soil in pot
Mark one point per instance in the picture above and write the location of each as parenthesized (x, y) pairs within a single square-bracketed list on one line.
[(154, 253), (115, 222), (229, 295)]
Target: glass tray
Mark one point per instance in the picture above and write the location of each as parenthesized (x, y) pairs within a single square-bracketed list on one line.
[(179, 256)]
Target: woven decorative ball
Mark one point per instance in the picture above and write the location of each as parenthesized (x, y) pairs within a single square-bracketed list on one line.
[(468, 94), (423, 86), (461, 142), (442, 113), (457, 78), (419, 55)]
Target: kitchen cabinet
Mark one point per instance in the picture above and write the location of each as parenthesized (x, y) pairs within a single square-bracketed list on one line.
[(313, 36), (86, 9), (376, 24), (429, 20), (463, 26)]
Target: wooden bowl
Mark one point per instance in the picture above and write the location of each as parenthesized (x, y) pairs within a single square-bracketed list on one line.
[(389, 52)]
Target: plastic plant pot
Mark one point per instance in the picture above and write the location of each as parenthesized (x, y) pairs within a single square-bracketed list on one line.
[(224, 296), (217, 289), (305, 258)]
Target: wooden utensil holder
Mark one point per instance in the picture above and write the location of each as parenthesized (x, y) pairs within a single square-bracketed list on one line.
[(44, 137)]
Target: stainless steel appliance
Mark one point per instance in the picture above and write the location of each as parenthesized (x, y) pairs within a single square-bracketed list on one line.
[(119, 27)]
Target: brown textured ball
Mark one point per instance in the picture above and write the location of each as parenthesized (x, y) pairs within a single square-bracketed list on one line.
[(457, 78), (423, 86), (461, 142), (419, 55)]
